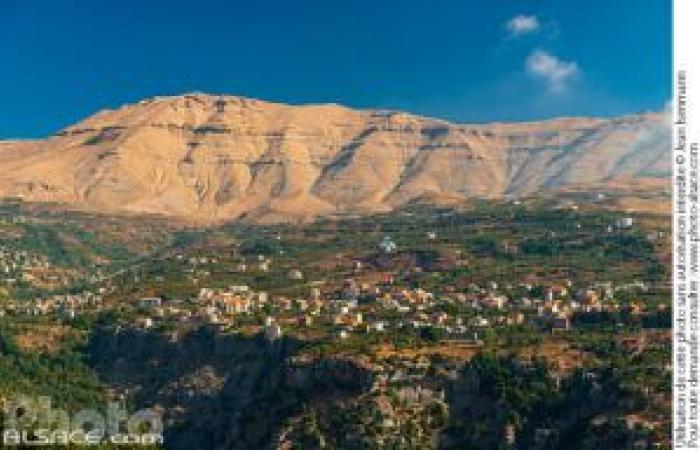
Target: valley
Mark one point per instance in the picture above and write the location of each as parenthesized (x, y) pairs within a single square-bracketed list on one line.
[(382, 331)]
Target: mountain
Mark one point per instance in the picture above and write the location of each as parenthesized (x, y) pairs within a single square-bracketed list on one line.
[(207, 158)]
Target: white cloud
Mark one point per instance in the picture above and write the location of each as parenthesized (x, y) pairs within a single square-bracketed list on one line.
[(522, 24), (554, 71)]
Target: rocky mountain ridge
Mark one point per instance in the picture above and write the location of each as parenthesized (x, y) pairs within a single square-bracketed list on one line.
[(207, 158)]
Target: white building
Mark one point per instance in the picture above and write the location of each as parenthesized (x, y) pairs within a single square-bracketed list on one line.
[(273, 331)]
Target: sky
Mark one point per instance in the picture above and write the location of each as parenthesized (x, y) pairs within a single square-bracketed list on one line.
[(460, 60)]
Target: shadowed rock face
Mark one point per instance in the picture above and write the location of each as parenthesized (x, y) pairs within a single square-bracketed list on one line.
[(220, 391), (211, 158)]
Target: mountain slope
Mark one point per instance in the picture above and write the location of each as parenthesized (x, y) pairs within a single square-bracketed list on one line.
[(209, 158)]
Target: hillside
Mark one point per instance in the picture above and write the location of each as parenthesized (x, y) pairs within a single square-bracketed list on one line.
[(206, 158)]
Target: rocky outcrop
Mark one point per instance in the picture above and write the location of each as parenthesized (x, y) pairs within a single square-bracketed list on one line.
[(220, 391)]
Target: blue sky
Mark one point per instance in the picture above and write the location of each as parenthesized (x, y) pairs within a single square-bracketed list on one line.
[(462, 60)]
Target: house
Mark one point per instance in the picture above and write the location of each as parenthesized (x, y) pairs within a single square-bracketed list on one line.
[(494, 301), (306, 320), (149, 302), (387, 245), (625, 222), (285, 303), (302, 304), (273, 331), (440, 318), (515, 318), (295, 274), (548, 309), (143, 322), (561, 322), (588, 297), (635, 308), (235, 305), (556, 291), (205, 294), (631, 343), (258, 298), (214, 319), (480, 322), (509, 434), (376, 326), (349, 290)]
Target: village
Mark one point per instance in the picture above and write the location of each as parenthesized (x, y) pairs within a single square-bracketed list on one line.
[(356, 308), (409, 305)]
